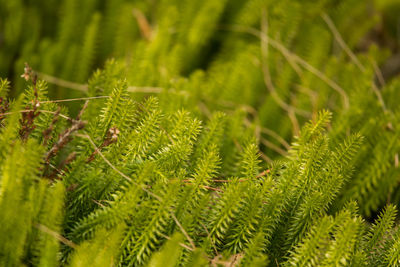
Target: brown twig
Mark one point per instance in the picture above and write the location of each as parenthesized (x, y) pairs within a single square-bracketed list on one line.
[(62, 167), (144, 26), (291, 57), (4, 106), (112, 137), (84, 87), (341, 42), (264, 42), (65, 137), (63, 83), (272, 146), (27, 120), (74, 99), (42, 111), (213, 188), (353, 57), (49, 130), (181, 244), (217, 180), (183, 230), (56, 235)]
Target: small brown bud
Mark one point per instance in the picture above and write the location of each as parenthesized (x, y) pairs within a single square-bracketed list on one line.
[(114, 132), (27, 72)]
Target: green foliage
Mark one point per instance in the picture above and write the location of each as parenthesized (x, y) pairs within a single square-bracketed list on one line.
[(100, 251), (169, 254), (213, 133)]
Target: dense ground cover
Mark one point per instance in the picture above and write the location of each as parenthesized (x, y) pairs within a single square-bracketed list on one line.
[(196, 133)]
